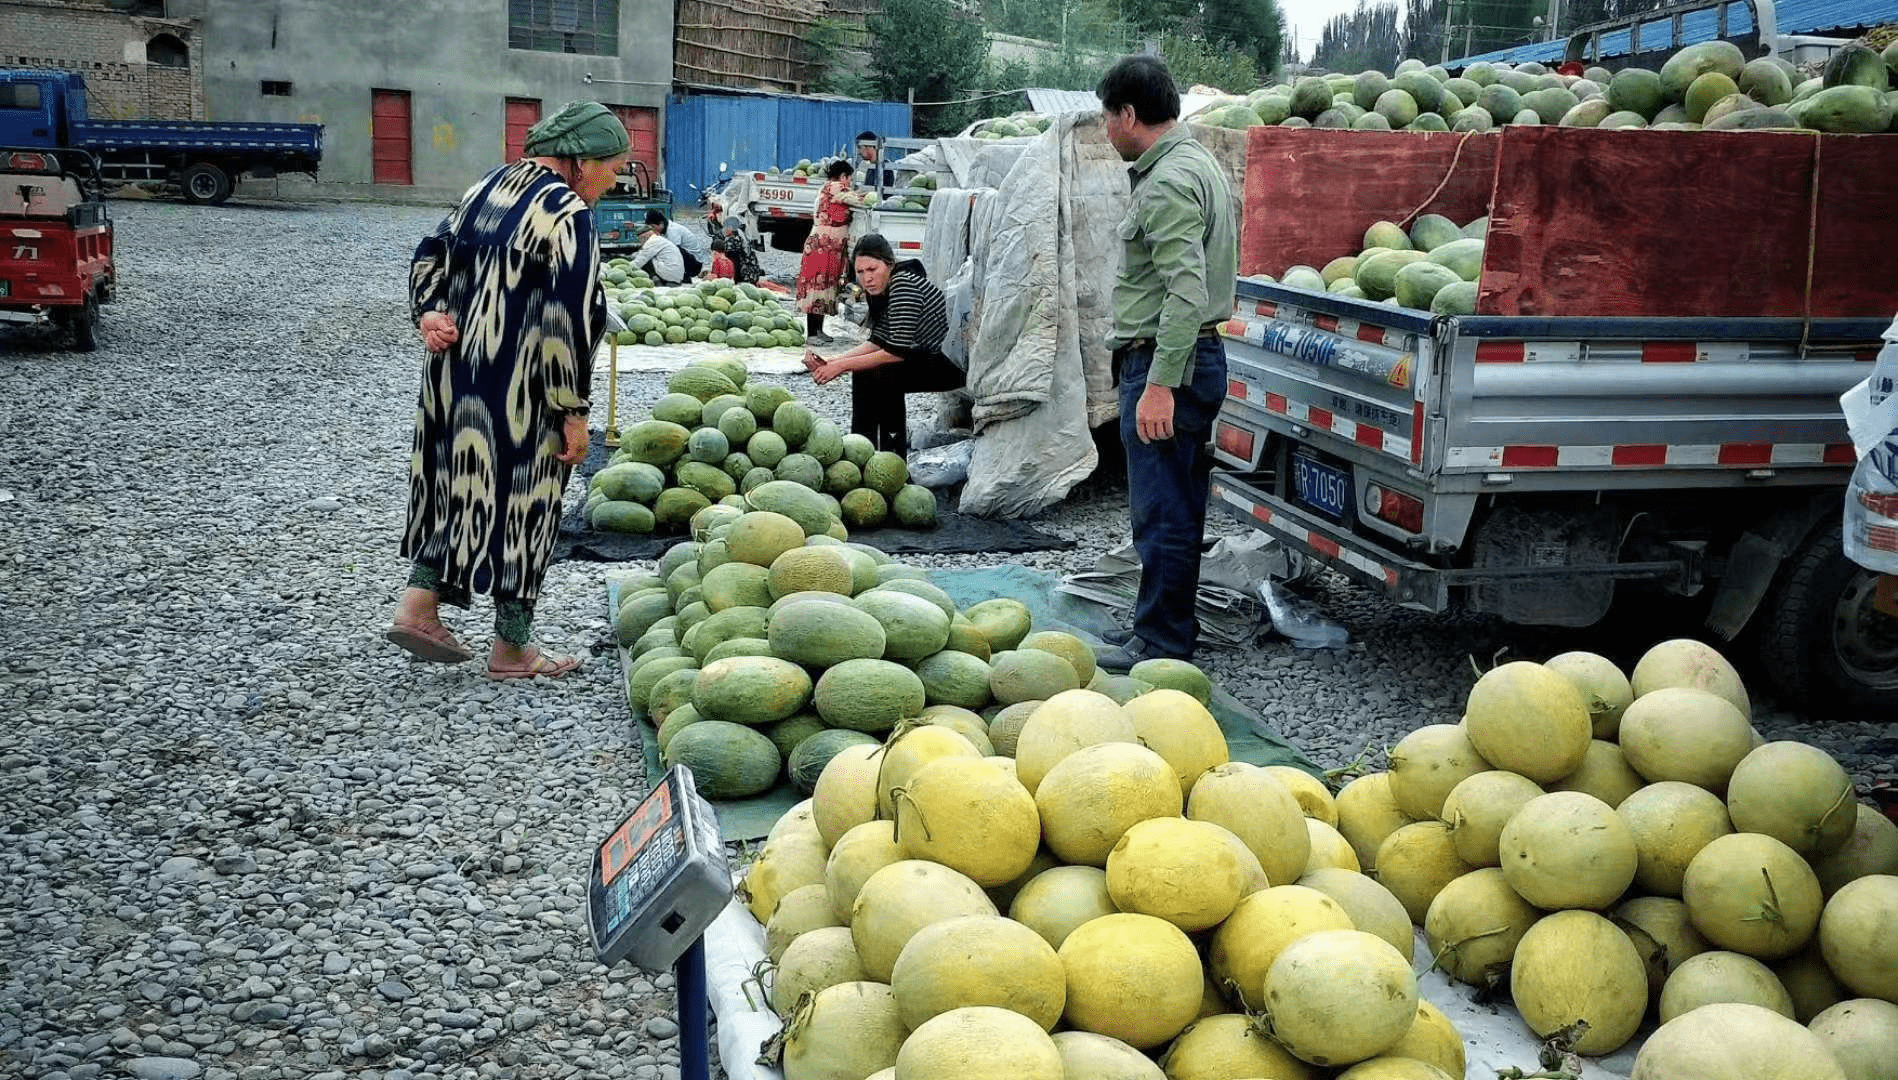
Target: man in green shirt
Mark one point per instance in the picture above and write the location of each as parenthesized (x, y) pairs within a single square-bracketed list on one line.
[(1179, 257)]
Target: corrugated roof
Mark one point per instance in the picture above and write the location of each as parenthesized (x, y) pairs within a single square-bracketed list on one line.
[(1794, 17), (1056, 102)]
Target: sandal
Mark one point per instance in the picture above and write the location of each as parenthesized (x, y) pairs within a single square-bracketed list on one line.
[(434, 644), (542, 665)]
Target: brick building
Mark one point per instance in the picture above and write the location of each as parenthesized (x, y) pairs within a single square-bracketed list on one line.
[(137, 62)]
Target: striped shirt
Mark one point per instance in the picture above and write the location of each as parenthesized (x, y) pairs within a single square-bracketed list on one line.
[(910, 319)]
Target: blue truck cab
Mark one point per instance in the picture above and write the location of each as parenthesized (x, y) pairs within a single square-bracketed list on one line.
[(204, 159)]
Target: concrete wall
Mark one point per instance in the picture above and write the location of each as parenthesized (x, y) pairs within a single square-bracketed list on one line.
[(451, 56), (107, 46)]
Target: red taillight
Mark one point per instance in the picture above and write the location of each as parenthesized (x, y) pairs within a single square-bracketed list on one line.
[(1395, 507), (28, 163)]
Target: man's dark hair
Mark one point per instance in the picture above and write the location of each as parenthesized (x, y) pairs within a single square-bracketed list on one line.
[(873, 246), (838, 168), (866, 136), (655, 218), (1144, 83)]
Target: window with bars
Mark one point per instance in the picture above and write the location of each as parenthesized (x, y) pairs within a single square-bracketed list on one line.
[(564, 26)]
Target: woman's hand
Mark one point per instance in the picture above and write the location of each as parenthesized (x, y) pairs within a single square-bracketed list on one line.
[(826, 370), (439, 331), (812, 361), (574, 433)]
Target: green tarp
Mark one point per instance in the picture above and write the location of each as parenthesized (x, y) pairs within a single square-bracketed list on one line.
[(1247, 736)]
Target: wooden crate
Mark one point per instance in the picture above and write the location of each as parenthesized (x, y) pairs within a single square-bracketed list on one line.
[(1585, 222)]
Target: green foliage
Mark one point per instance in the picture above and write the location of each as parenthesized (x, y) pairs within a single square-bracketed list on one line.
[(829, 39), (1194, 61), (932, 47), (1363, 40)]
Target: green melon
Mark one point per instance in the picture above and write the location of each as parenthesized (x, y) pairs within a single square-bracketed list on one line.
[(1690, 63), (675, 506), (751, 690), (811, 569), (885, 473), (1018, 675), (823, 635), (865, 694), (1003, 622), (654, 442), (704, 383), (737, 425), (708, 480), (739, 646), (681, 409), (621, 517), (795, 501), (857, 449), (1418, 283), (913, 628), (723, 626), (802, 469), (914, 507), (728, 761), (862, 507), (955, 678), (825, 443), (794, 422), (808, 758), (841, 478), (1178, 675), (638, 612), (766, 449)]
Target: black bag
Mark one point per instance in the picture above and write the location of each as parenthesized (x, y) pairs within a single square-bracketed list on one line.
[(693, 266)]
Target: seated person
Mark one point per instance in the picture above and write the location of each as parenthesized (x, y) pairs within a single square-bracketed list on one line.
[(744, 260), (661, 258), (908, 322), (695, 246), (721, 263)]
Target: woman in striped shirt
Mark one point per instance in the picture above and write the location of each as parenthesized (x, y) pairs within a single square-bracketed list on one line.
[(908, 321)]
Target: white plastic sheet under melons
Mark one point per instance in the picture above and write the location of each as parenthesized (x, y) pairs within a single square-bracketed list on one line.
[(1494, 1036)]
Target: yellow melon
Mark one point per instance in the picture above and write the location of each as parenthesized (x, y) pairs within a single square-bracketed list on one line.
[(1474, 925), (1064, 723), (846, 792), (1605, 774), (1227, 1046), (1574, 966), (1527, 719), (1371, 906), (1339, 997), (863, 851), (1260, 928), (1427, 763), (1176, 726), (1684, 662), (799, 911), (1605, 690), (901, 899), (1099, 1057), (1259, 810), (1131, 977), (790, 862), (1680, 733), (909, 749), (1416, 862), (814, 960), (1094, 795), (1477, 809), (971, 816), (1568, 850), (1719, 976), (1670, 822), (1663, 935), (1310, 792), (1329, 848), (1728, 1041), (1367, 813), (979, 1043), (1432, 1039), (1185, 872), (978, 960), (843, 1032), (1754, 895)]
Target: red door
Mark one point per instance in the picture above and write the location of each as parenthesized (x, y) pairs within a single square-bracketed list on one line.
[(390, 137), (522, 113), (642, 126)]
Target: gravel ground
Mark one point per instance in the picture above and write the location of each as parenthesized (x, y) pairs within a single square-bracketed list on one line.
[(245, 838)]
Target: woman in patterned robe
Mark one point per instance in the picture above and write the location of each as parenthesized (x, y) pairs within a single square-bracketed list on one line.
[(821, 271), (507, 296)]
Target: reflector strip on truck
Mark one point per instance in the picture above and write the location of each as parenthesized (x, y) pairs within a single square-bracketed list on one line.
[(1326, 420), (1636, 456), (1325, 546), (1628, 352)]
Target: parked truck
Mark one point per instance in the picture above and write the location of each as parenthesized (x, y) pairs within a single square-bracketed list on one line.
[(778, 207), (203, 159), (1610, 428)]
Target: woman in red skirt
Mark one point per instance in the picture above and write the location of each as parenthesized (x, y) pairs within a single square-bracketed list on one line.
[(826, 252)]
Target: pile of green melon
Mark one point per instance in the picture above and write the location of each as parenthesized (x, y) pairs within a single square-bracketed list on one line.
[(1434, 267), (1609, 847), (720, 312), (803, 170), (763, 647), (718, 440), (1711, 86), (1013, 126), (1080, 885), (915, 197)]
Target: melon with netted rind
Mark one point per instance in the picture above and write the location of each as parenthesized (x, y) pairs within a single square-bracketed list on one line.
[(785, 863), (1076, 652), (1752, 894), (1171, 674), (970, 816), (1684, 662), (1859, 936), (978, 960), (1474, 924), (1260, 928), (1427, 763), (901, 899), (1716, 976), (1605, 690), (1371, 907), (1731, 1041), (1574, 966), (1871, 849), (1329, 848), (1796, 794), (1230, 1045), (1338, 997), (1005, 622), (1258, 809), (843, 1032), (1005, 727), (1099, 1057), (845, 795), (812, 961), (1062, 724), (1861, 1033), (1670, 822), (1311, 794), (1176, 869), (1527, 719), (1605, 774), (1568, 850), (1176, 726), (856, 856), (1092, 797), (979, 1043), (1367, 813), (799, 912), (1056, 901), (1687, 734), (1477, 809), (1131, 977)]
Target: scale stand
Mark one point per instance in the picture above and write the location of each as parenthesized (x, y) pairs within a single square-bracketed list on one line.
[(614, 324), (657, 883)]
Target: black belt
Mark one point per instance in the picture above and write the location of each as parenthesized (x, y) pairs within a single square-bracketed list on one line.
[(1210, 330)]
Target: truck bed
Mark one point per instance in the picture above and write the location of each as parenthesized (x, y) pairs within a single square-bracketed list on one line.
[(295, 139)]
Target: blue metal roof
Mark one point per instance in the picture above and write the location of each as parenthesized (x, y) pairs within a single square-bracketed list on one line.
[(1794, 17)]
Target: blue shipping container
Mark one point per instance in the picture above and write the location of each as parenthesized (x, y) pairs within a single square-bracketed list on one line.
[(756, 131)]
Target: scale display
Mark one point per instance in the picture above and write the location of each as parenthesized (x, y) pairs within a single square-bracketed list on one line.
[(660, 877)]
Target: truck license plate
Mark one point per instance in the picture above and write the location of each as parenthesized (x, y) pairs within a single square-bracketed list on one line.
[(1320, 486), (6, 287)]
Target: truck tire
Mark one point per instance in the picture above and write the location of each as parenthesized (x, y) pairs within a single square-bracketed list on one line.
[(83, 322), (1822, 640), (205, 183), (791, 237)]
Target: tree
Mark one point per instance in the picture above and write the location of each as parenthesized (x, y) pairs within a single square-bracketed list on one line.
[(1423, 31), (1366, 39), (1254, 27), (1193, 61), (934, 48)]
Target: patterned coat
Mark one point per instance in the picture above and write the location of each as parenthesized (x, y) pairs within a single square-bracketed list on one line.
[(517, 264)]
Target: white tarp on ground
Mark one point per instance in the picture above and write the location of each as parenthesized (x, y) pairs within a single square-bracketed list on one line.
[(1494, 1036)]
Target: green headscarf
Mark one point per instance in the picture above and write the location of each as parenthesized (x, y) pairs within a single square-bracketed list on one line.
[(581, 129)]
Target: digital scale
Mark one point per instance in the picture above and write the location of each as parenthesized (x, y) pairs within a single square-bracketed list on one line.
[(658, 881)]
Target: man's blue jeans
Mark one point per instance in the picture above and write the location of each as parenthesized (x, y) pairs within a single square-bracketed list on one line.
[(1168, 482)]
